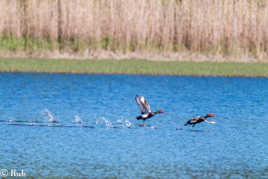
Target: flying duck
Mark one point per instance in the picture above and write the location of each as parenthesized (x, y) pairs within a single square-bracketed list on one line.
[(197, 119), (146, 112)]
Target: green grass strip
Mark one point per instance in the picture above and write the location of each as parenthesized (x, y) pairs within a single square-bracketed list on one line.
[(134, 67)]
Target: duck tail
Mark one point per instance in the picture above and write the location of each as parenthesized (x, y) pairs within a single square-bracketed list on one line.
[(138, 117)]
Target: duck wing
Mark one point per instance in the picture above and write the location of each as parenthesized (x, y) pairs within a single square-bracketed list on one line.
[(197, 119), (143, 104)]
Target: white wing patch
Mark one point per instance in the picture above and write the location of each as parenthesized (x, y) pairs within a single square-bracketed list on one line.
[(145, 115), (142, 99), (143, 104)]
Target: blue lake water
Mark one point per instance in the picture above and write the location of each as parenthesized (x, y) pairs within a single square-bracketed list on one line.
[(104, 146)]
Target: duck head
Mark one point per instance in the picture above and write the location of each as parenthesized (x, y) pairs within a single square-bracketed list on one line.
[(210, 115), (160, 111)]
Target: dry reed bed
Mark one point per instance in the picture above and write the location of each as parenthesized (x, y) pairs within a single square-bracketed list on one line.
[(235, 28)]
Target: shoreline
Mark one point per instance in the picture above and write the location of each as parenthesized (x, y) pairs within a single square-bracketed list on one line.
[(135, 67)]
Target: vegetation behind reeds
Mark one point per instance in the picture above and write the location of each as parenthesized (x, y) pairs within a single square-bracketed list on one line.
[(228, 28)]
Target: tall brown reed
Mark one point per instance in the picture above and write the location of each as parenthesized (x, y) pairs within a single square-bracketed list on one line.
[(213, 27)]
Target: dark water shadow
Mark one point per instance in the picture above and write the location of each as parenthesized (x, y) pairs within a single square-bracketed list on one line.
[(179, 129), (50, 125), (195, 130)]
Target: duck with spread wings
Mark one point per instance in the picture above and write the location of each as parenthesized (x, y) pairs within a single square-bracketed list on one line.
[(146, 112)]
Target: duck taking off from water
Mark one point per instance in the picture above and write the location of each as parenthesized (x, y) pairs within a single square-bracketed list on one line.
[(146, 112), (198, 119)]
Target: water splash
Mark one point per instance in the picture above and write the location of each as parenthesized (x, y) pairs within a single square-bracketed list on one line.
[(77, 119), (49, 115), (153, 127), (119, 121), (99, 121), (107, 123), (128, 123)]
